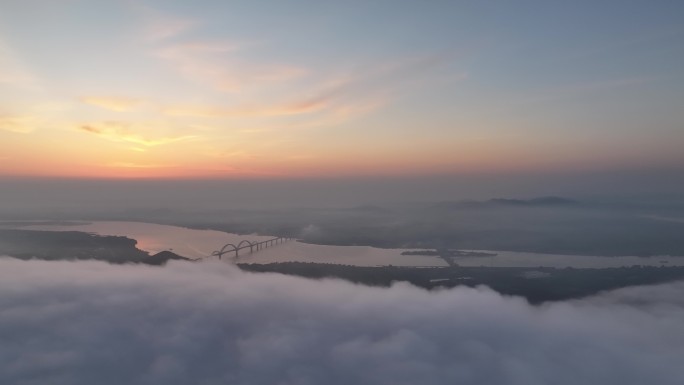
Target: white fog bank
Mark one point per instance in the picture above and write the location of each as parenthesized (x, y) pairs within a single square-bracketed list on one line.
[(209, 323)]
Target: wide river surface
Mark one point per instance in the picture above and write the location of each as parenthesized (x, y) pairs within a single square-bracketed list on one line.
[(192, 243)]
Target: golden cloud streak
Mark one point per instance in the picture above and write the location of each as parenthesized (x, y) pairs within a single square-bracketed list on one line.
[(137, 165), (118, 133)]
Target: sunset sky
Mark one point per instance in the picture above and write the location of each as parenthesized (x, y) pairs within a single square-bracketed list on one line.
[(291, 89)]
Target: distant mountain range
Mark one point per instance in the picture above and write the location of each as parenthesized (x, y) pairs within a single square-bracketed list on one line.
[(547, 201), (541, 201)]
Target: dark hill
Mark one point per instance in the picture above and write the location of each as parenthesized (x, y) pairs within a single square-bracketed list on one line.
[(163, 257)]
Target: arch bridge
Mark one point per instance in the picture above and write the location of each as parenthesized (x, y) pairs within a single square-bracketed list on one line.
[(234, 250)]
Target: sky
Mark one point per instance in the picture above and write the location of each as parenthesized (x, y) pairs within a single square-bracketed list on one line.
[(331, 89)]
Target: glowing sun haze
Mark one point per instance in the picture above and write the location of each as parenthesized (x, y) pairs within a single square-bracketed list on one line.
[(217, 89)]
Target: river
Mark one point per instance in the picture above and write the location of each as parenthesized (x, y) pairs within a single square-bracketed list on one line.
[(193, 243)]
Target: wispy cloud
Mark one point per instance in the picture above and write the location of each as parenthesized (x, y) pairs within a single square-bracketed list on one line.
[(164, 29), (12, 71), (18, 124), (293, 108), (331, 117), (215, 65), (225, 65), (120, 132), (340, 97), (376, 85), (160, 26), (118, 104)]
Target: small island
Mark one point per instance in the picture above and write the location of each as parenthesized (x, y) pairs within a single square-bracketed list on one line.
[(449, 253)]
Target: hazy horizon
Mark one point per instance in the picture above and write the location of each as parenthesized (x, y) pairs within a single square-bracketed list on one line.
[(57, 193)]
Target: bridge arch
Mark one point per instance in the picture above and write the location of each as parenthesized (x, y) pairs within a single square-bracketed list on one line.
[(224, 251), (251, 246)]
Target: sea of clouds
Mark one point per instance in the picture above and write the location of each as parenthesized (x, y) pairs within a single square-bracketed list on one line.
[(209, 323)]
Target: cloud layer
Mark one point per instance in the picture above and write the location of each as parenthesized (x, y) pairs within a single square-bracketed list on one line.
[(208, 323)]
